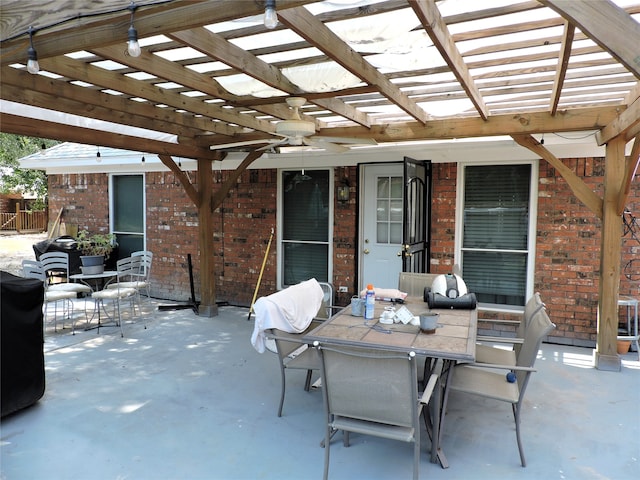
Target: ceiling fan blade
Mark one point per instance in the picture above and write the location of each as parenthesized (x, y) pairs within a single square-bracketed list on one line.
[(273, 144), (331, 147), (350, 140), (222, 146)]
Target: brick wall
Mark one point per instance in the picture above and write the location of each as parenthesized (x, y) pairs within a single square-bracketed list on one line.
[(567, 248), (567, 244)]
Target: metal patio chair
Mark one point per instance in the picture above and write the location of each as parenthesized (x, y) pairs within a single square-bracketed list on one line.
[(507, 356), (488, 380), (372, 392), (33, 269), (126, 268)]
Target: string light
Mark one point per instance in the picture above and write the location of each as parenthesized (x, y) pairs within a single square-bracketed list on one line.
[(98, 159), (143, 160), (133, 47), (270, 15), (32, 56)]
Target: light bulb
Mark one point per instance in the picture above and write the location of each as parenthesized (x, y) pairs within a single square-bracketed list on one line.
[(33, 66), (32, 56), (270, 15), (133, 47)]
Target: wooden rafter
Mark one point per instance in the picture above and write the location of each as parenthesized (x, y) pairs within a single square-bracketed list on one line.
[(71, 133), (215, 46), (316, 33), (157, 20), (39, 91), (436, 28), (563, 64), (606, 24), (74, 69)]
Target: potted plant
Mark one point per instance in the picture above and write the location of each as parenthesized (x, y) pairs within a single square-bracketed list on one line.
[(94, 249)]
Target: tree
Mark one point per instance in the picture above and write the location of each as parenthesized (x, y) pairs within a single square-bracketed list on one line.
[(16, 179)]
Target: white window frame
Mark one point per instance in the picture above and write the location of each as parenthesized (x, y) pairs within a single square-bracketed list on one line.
[(531, 244), (144, 203), (280, 222)]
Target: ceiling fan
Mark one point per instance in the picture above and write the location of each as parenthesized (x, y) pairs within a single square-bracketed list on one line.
[(298, 132)]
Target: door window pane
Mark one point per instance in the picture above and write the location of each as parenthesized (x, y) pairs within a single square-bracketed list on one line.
[(496, 226), (389, 210)]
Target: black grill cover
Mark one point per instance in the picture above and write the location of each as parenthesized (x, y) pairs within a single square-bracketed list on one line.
[(436, 300), (66, 244), (21, 341)]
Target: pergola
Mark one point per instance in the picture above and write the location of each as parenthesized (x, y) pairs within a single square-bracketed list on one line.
[(211, 77)]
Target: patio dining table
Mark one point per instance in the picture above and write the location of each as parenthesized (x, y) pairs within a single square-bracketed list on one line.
[(453, 341)]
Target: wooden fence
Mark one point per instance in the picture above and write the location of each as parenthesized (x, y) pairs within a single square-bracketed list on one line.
[(24, 221)]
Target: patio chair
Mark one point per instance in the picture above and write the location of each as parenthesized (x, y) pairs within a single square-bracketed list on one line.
[(413, 284), (144, 281), (372, 392), (56, 264), (131, 274), (33, 269), (507, 356), (481, 379), (294, 354), (127, 268)]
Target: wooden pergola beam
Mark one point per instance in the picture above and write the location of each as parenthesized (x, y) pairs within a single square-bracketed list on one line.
[(206, 201), (178, 15), (580, 189), (436, 28), (70, 133), (97, 76), (606, 24), (216, 46), (606, 355), (316, 33), (56, 92), (627, 120), (631, 167)]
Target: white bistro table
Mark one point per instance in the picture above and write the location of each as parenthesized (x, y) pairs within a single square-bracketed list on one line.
[(96, 282)]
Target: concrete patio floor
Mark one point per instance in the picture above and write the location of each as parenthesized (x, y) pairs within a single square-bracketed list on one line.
[(189, 398)]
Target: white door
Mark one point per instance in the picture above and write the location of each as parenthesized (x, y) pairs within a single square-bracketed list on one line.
[(381, 225)]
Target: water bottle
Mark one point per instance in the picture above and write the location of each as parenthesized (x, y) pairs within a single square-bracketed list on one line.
[(369, 303)]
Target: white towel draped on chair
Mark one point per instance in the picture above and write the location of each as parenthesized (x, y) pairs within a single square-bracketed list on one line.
[(290, 310)]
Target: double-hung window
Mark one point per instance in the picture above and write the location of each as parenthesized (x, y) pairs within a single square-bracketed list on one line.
[(496, 246), (128, 212), (305, 229)]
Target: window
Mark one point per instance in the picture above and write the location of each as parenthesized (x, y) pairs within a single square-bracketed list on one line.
[(497, 233), (389, 192), (127, 212), (305, 228)]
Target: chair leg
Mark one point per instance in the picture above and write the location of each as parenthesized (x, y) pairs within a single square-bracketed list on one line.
[(307, 383), (282, 391), (327, 442), (516, 416), (416, 453), (119, 318)]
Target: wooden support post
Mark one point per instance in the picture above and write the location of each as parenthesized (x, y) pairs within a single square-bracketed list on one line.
[(208, 306), (18, 218), (606, 356)]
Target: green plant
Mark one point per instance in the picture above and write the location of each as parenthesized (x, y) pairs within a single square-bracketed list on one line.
[(96, 244)]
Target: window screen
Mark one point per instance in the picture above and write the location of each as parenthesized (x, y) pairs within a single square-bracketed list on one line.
[(496, 232), (127, 199), (305, 226)]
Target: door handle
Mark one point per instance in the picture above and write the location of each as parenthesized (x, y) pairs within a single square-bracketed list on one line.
[(366, 251)]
